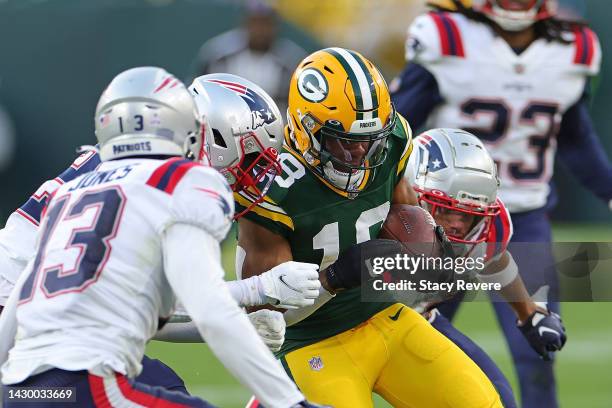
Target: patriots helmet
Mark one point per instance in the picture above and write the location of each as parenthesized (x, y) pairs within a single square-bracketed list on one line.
[(450, 169), (146, 111), (244, 134)]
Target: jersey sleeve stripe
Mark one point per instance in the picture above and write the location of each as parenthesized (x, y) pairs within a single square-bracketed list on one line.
[(408, 149), (178, 174), (167, 176), (83, 164), (27, 216), (450, 38), (591, 42), (282, 218), (585, 46), (265, 204), (160, 171)]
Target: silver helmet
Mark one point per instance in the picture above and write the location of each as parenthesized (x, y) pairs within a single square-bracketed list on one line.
[(146, 111), (244, 134), (451, 168)]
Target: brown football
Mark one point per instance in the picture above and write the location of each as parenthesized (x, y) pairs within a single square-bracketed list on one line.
[(414, 227)]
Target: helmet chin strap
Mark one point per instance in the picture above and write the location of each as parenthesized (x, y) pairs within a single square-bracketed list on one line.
[(340, 178)]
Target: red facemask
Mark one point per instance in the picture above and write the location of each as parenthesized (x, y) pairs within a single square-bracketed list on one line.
[(251, 172), (436, 199)]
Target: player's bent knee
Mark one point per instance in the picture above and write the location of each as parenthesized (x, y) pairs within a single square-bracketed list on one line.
[(471, 390), (465, 384)]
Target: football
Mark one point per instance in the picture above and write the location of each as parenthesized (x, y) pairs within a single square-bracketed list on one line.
[(414, 227)]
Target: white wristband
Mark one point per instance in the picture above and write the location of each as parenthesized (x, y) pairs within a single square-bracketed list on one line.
[(504, 277), (248, 292)]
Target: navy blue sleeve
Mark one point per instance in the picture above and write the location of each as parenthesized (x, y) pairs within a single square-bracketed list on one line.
[(32, 209), (415, 94), (582, 153)]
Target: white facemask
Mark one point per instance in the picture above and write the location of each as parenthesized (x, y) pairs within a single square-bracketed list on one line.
[(340, 178)]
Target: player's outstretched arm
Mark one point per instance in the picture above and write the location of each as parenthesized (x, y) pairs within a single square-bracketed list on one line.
[(543, 329), (503, 270), (269, 324), (193, 269), (289, 285)]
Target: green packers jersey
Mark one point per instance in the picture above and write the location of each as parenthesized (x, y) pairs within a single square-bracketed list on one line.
[(320, 222)]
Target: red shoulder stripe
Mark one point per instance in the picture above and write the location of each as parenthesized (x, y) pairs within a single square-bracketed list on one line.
[(585, 46), (167, 176), (159, 172), (178, 175), (451, 43), (591, 38)]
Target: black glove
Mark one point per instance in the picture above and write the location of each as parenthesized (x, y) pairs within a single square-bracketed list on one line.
[(353, 265), (350, 267), (448, 249), (544, 332)]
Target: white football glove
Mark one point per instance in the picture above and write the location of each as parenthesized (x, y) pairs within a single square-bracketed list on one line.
[(291, 285), (270, 326)]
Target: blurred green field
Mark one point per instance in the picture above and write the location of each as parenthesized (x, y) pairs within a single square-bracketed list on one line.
[(583, 370)]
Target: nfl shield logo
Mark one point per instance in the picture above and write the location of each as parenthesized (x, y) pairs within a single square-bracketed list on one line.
[(315, 363)]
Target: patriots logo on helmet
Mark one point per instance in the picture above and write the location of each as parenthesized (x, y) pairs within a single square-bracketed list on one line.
[(435, 159), (261, 114)]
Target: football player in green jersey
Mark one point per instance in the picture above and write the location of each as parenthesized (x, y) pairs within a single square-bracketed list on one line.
[(343, 163)]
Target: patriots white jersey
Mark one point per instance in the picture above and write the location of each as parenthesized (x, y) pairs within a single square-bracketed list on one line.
[(513, 102), (96, 290)]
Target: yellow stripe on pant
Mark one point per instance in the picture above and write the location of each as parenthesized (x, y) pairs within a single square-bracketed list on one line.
[(396, 354)]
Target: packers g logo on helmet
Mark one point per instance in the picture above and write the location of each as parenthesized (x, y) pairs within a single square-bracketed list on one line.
[(340, 116), (312, 85)]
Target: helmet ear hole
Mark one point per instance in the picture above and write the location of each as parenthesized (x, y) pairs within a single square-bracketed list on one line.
[(218, 139)]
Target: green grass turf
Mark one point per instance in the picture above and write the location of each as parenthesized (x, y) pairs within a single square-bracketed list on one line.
[(583, 369)]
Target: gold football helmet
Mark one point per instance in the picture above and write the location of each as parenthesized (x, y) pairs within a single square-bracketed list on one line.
[(340, 116), (450, 5)]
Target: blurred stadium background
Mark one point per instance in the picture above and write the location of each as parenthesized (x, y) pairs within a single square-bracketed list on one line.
[(57, 55)]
